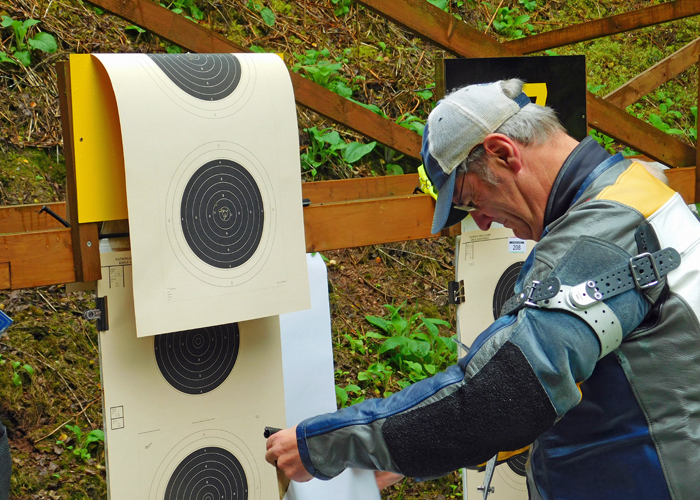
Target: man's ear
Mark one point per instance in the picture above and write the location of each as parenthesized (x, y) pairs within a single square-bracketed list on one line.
[(505, 149)]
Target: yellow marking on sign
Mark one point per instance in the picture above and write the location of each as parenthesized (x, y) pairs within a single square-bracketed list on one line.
[(538, 91)]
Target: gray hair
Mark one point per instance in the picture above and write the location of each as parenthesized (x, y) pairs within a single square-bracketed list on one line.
[(532, 125)]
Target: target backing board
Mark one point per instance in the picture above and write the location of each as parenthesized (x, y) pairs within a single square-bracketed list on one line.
[(213, 186), (184, 412), (489, 263)]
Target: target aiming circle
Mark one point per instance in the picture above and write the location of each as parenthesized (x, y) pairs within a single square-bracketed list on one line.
[(207, 85), (211, 464), (197, 361), (209, 77), (517, 464), (504, 287), (221, 214), (210, 473)]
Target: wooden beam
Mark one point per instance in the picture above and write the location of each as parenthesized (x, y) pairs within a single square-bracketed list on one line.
[(683, 181), (368, 222), (175, 28), (647, 16), (438, 27), (84, 237), (36, 259), (26, 218), (661, 72), (359, 189), (640, 135)]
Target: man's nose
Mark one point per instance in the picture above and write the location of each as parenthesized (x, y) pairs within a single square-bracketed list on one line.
[(483, 221)]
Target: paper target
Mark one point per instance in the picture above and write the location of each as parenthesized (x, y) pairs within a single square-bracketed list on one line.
[(206, 85), (197, 361), (210, 473), (209, 77), (221, 214), (504, 287), (208, 465), (517, 464)]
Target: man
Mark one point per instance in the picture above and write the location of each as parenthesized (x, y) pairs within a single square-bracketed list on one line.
[(595, 364)]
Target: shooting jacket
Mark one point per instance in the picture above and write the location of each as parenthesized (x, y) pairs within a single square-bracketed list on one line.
[(626, 426)]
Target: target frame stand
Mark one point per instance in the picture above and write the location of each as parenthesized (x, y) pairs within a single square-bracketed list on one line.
[(488, 262), (184, 413)]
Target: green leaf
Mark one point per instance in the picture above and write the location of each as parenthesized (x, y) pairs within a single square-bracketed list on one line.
[(375, 335), (356, 150), (268, 16), (419, 348), (392, 343), (352, 388), (28, 369), (44, 42), (16, 379), (431, 369), (340, 88), (663, 108), (379, 323), (333, 138), (424, 94), (23, 57), (135, 28), (5, 58), (342, 395), (196, 13), (6, 21), (521, 19), (656, 121), (394, 169), (30, 22), (440, 4)]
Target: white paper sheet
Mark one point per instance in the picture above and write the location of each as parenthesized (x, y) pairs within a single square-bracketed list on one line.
[(211, 156), (165, 405), (309, 385)]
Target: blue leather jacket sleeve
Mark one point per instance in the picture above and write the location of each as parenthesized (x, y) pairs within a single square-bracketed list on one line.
[(518, 379)]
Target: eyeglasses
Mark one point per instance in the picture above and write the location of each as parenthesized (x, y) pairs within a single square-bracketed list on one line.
[(469, 207)]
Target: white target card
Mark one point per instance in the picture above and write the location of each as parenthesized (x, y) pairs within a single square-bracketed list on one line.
[(211, 155), (184, 412), (489, 263)]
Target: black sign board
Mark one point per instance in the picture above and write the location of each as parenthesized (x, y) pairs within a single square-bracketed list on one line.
[(557, 81)]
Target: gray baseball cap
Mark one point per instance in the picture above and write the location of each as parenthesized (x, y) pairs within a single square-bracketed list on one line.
[(460, 122)]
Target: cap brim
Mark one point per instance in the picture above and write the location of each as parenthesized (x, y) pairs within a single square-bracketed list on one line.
[(443, 205)]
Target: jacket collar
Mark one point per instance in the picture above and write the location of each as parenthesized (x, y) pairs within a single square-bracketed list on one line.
[(577, 167)]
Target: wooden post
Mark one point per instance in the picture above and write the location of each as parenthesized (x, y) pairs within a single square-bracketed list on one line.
[(85, 237)]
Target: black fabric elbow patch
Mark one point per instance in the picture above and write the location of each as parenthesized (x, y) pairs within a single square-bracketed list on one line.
[(504, 407)]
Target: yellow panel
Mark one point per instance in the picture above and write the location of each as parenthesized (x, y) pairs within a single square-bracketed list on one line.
[(99, 158), (538, 91), (638, 189)]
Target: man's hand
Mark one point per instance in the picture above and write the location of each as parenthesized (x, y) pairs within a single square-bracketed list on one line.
[(385, 479), (283, 452)]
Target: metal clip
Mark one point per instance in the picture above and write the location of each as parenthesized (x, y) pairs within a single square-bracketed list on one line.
[(531, 292), (92, 314), (101, 314), (636, 268), (455, 292)]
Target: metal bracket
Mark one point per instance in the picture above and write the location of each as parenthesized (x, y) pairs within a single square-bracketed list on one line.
[(455, 292), (99, 314), (486, 488)]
